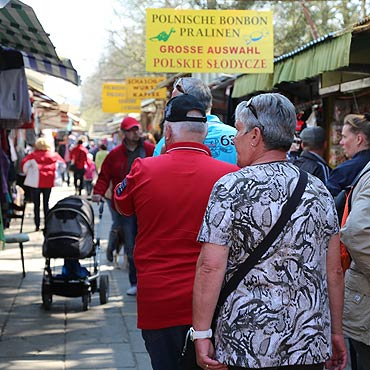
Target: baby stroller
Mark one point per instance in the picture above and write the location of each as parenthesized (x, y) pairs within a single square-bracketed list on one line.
[(69, 234)]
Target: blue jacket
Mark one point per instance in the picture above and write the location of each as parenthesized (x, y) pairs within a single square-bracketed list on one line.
[(343, 175), (219, 140), (314, 164)]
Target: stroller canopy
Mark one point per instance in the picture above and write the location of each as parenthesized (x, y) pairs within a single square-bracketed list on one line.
[(69, 229)]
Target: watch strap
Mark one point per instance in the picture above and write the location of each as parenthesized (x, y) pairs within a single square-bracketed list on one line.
[(200, 334)]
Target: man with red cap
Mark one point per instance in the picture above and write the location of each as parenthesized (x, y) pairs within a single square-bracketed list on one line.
[(115, 167)]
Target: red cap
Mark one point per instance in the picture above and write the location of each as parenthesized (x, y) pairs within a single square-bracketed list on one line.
[(128, 123)]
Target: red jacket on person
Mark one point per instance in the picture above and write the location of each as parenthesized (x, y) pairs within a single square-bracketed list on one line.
[(114, 168), (42, 168), (79, 156)]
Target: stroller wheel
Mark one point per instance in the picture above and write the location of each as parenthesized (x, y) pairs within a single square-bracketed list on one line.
[(85, 301), (47, 297), (104, 289), (47, 300)]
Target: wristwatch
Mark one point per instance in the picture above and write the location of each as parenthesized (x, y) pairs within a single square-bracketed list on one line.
[(200, 334)]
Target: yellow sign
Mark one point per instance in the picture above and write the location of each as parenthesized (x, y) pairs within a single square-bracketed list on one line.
[(114, 99), (222, 41), (143, 88)]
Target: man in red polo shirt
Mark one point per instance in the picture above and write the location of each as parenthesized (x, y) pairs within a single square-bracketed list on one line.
[(169, 194)]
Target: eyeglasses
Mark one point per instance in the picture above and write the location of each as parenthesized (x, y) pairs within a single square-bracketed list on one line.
[(179, 86), (252, 108)]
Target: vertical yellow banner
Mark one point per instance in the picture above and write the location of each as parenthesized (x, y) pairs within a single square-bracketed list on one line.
[(222, 41)]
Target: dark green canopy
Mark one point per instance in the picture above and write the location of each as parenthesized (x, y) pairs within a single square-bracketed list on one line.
[(21, 30)]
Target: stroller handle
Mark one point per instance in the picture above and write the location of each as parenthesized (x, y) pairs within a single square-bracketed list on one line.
[(101, 209), (98, 231)]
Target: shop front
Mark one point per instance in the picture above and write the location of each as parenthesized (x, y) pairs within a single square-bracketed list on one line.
[(325, 79)]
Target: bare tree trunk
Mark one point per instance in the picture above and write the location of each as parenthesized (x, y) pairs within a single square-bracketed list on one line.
[(363, 8), (309, 20)]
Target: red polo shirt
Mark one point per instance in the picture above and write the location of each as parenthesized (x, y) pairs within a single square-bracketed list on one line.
[(169, 195)]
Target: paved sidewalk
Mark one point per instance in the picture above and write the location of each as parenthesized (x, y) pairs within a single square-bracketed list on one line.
[(104, 337)]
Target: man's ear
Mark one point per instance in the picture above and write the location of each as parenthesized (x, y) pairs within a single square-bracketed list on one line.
[(167, 132)]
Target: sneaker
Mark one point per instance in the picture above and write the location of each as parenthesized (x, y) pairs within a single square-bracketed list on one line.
[(132, 290)]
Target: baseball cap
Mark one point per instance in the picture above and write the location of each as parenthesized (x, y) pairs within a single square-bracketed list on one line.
[(313, 136), (177, 109), (128, 123)]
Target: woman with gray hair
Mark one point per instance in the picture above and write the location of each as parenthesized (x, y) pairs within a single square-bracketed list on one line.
[(286, 311)]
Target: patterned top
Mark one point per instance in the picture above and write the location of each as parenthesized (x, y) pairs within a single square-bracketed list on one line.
[(279, 314)]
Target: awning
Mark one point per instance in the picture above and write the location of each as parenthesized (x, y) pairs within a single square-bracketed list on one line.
[(62, 69), (21, 30), (326, 55)]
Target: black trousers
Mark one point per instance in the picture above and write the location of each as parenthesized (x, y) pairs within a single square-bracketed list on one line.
[(36, 195), (79, 179), (362, 353)]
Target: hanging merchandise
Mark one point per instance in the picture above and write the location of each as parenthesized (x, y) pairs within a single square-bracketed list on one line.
[(15, 106), (311, 120), (300, 124), (4, 166), (31, 123)]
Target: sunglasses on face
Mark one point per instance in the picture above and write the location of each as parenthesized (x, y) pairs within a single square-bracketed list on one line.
[(252, 108), (178, 85)]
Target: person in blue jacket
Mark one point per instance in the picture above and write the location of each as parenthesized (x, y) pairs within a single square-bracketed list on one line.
[(220, 136), (356, 146)]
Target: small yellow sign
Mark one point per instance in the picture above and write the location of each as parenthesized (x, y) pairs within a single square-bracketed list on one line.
[(222, 41), (114, 99), (143, 88)]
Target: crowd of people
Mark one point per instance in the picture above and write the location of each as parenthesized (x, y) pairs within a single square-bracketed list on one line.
[(193, 210), (286, 312)]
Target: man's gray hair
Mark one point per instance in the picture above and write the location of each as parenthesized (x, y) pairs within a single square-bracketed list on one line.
[(276, 119), (178, 128), (313, 137), (196, 87)]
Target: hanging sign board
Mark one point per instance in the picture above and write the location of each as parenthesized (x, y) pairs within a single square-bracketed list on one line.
[(115, 100), (145, 88), (220, 41)]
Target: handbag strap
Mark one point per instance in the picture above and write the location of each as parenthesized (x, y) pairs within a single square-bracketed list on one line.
[(286, 212)]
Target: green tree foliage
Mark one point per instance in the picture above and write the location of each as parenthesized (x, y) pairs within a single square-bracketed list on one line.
[(292, 30)]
